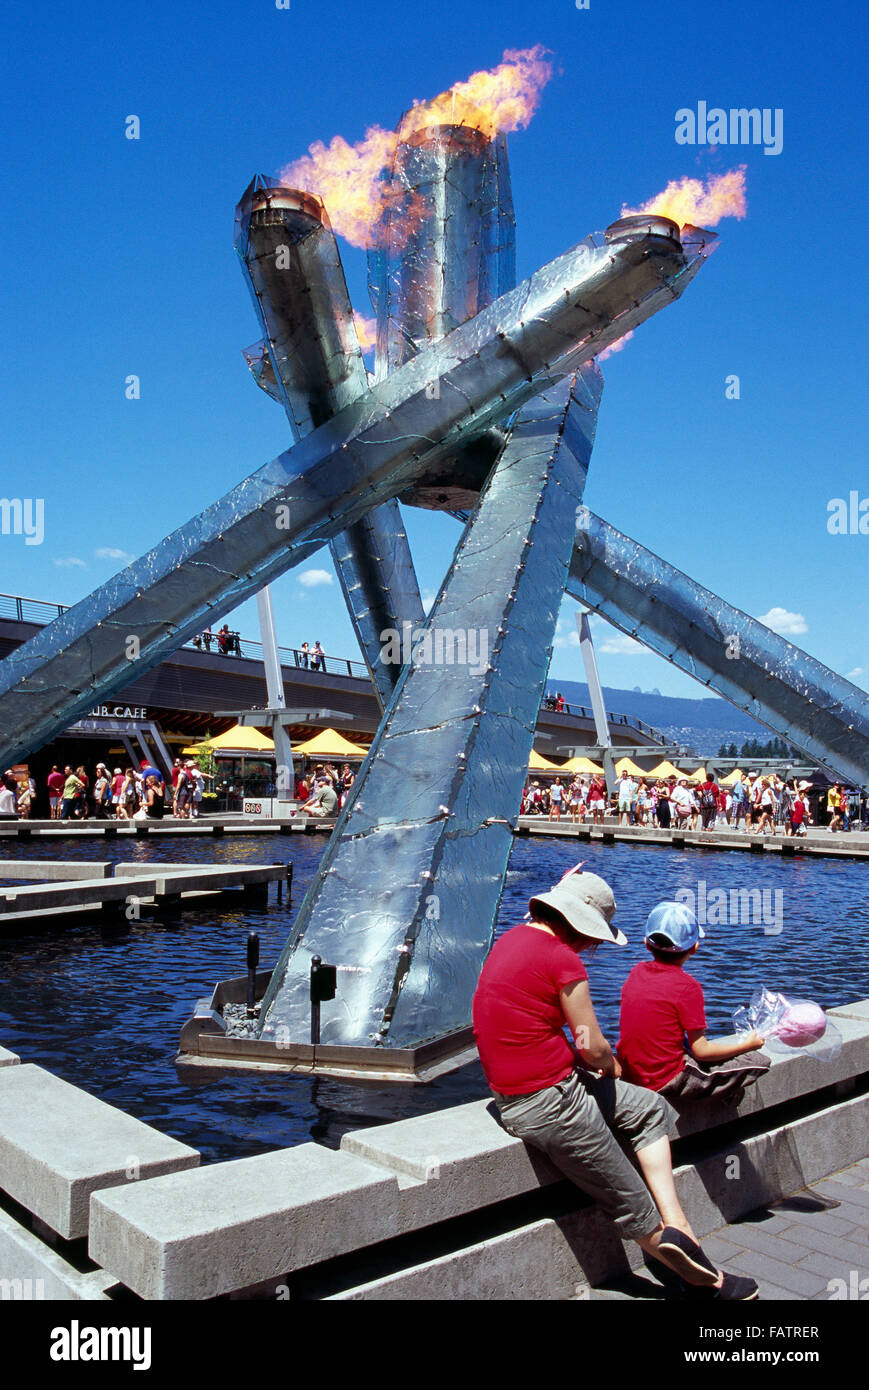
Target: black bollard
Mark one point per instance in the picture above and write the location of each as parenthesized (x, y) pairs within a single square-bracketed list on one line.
[(323, 987), (252, 963)]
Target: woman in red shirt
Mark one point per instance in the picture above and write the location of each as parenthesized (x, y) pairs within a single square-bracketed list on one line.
[(569, 1101)]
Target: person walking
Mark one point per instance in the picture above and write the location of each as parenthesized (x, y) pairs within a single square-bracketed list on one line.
[(54, 782), (8, 798), (72, 786)]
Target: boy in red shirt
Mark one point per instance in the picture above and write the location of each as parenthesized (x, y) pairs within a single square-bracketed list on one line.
[(662, 1006), (569, 1100)]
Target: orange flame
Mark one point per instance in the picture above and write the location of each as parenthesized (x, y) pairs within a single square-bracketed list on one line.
[(687, 200), (366, 330), (348, 177), (504, 98)]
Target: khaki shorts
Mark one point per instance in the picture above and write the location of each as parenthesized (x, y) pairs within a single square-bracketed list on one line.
[(585, 1124)]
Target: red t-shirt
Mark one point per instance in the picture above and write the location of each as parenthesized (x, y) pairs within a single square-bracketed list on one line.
[(660, 1003), (518, 1019), (55, 783)]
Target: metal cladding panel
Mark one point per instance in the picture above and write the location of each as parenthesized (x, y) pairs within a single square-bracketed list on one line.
[(751, 666), (291, 262), (407, 895), (446, 246), (379, 582), (371, 451), (290, 259)]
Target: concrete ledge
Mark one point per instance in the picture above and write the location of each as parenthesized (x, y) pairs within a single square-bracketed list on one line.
[(236, 1225), (58, 1145), (31, 1270), (561, 1258), (198, 1234)]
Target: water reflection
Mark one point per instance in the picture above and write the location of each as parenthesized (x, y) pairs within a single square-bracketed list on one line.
[(103, 1007)]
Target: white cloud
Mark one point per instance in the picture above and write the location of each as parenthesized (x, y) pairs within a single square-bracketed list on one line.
[(785, 623), (621, 645), (70, 562), (110, 552), (570, 640), (428, 599), (855, 675), (312, 578)]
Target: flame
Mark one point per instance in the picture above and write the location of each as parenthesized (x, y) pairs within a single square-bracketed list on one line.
[(504, 98), (366, 330), (348, 178), (619, 342), (687, 200)]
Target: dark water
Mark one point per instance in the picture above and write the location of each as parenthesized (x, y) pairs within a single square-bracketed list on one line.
[(103, 1008)]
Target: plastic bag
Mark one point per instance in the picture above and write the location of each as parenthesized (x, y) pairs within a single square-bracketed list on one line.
[(789, 1025)]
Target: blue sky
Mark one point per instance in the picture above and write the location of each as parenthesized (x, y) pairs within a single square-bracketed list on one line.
[(118, 260)]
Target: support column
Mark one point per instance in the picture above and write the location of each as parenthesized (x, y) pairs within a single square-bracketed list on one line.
[(407, 895), (601, 723), (284, 781), (754, 668)]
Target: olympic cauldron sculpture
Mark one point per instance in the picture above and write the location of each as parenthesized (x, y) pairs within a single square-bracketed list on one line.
[(483, 403)]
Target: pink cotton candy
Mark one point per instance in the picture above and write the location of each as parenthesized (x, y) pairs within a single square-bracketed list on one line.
[(801, 1024)]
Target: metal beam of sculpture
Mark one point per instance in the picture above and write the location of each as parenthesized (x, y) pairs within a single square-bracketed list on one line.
[(407, 894), (751, 666), (371, 451), (311, 362)]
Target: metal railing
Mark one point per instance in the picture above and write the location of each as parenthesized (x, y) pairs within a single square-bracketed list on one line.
[(37, 611), (582, 712), (29, 610)]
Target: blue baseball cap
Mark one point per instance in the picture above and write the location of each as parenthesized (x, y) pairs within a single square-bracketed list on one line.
[(673, 927)]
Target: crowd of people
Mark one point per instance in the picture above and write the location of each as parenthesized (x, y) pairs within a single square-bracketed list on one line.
[(131, 793), (323, 791), (751, 804), (227, 643)]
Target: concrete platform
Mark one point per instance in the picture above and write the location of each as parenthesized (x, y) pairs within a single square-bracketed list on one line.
[(151, 885), (58, 1144), (853, 845), (51, 829)]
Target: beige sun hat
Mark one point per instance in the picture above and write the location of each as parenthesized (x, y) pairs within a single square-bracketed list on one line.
[(586, 903)]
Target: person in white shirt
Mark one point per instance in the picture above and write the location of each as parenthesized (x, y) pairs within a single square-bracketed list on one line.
[(680, 802), (627, 790)]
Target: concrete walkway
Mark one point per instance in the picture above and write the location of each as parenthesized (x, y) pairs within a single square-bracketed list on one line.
[(813, 1245), (820, 841)]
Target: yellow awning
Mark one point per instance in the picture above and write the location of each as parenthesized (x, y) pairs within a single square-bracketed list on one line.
[(731, 779), (542, 764), (698, 775), (665, 769), (240, 739), (581, 765), (328, 743), (628, 765)]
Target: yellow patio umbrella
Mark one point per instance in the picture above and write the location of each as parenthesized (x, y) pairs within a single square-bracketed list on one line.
[(731, 779), (581, 765), (539, 764), (240, 739), (699, 775), (665, 769), (328, 743), (628, 765)]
